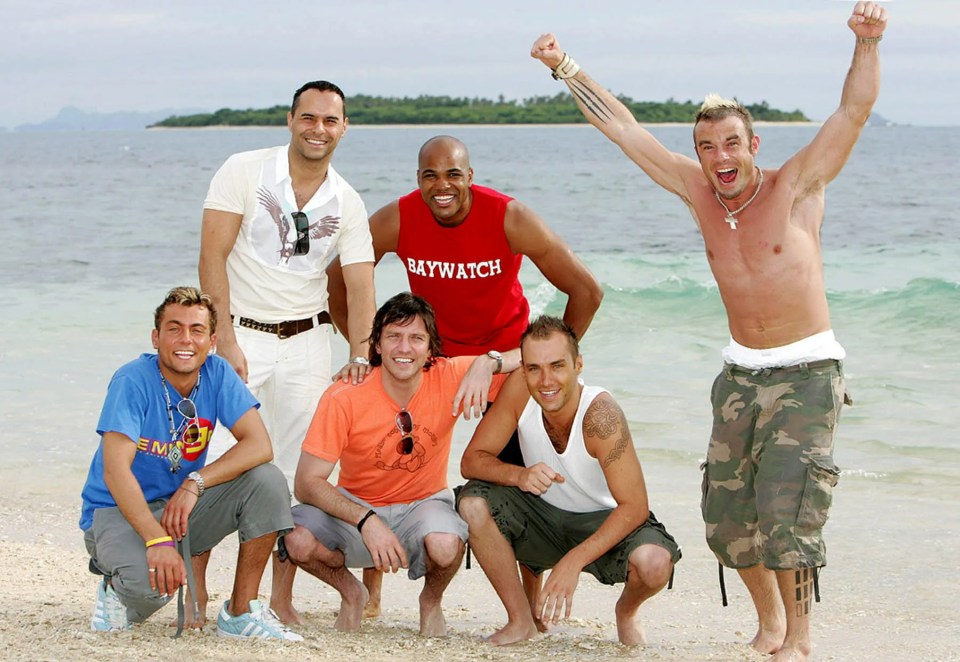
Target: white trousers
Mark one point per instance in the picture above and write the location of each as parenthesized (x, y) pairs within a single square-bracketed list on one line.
[(287, 377)]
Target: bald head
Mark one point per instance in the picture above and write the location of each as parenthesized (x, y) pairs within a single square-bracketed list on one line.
[(444, 176), (444, 145)]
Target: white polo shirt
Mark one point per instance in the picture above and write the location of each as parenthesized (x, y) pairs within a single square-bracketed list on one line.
[(267, 282)]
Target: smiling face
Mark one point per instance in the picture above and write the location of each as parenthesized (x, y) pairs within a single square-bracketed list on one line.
[(727, 154), (551, 370), (316, 125), (404, 349), (444, 177), (183, 339)]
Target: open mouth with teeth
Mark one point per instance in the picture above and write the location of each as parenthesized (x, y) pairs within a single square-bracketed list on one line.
[(443, 200), (727, 175)]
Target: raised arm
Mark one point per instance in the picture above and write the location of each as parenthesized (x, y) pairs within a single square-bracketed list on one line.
[(217, 237), (607, 438), (607, 113), (813, 167)]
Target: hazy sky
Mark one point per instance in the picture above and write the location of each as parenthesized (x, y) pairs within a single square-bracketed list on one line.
[(110, 55)]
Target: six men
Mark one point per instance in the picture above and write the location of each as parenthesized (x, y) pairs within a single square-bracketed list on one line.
[(575, 499)]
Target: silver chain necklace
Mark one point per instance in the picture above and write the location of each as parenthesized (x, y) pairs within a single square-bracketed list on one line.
[(730, 214)]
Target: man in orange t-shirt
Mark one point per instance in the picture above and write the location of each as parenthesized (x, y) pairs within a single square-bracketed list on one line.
[(391, 434)]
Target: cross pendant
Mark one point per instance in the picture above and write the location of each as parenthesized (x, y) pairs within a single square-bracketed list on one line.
[(731, 221)]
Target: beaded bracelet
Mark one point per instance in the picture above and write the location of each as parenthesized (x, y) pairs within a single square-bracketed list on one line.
[(870, 40)]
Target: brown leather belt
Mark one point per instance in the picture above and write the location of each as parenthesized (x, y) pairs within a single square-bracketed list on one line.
[(289, 328)]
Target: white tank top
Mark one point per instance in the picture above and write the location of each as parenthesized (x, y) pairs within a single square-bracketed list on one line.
[(585, 487)]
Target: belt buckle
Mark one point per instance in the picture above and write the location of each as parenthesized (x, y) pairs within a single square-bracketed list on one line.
[(282, 330)]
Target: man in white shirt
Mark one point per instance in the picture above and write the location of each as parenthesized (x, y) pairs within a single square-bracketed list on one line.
[(272, 221)]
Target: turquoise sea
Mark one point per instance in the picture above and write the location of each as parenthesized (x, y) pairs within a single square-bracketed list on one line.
[(97, 226)]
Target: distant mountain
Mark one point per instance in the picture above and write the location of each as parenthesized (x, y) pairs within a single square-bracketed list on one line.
[(74, 119), (876, 119)]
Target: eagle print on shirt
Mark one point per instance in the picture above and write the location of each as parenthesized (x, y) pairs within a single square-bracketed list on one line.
[(324, 227)]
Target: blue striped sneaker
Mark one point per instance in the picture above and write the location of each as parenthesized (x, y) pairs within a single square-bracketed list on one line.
[(258, 623), (109, 614)]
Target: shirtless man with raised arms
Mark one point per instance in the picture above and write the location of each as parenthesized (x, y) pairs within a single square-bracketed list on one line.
[(769, 472)]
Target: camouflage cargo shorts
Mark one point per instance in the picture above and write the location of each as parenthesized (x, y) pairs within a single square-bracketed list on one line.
[(769, 474)]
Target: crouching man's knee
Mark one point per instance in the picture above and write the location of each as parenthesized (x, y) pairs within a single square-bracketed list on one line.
[(651, 565), (300, 543), (444, 549), (474, 510)]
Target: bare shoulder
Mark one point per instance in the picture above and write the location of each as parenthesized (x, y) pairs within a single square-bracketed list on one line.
[(526, 231), (604, 418)]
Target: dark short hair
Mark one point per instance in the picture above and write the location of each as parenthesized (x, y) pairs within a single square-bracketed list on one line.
[(402, 309), (320, 86), (545, 326), (186, 296)]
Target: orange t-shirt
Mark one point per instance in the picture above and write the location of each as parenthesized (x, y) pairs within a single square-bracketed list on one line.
[(355, 424)]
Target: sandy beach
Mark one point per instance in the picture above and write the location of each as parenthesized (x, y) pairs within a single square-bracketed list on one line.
[(889, 593)]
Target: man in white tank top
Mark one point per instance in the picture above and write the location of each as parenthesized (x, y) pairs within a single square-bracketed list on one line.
[(579, 504)]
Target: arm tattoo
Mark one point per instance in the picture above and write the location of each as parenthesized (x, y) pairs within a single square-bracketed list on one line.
[(617, 449), (590, 100), (603, 419)]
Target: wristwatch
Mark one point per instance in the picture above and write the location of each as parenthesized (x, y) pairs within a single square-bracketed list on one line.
[(198, 479), (498, 357), (359, 360)]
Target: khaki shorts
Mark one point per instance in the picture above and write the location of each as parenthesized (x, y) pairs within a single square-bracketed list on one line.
[(769, 475), (541, 534)]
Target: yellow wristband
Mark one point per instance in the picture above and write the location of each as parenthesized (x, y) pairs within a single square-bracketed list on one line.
[(157, 541)]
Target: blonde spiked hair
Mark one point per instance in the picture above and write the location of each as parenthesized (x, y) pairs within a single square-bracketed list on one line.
[(716, 107)]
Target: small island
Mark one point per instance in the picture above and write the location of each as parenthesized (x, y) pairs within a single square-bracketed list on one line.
[(424, 109)]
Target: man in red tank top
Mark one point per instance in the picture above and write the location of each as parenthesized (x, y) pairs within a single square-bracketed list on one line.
[(462, 246)]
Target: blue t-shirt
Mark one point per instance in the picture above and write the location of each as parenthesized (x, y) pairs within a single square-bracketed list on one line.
[(136, 407)]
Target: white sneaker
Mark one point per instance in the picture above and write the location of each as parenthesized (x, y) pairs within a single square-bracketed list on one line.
[(109, 614), (259, 623)]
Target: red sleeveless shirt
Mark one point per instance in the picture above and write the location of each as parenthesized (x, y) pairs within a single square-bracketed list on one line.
[(468, 273)]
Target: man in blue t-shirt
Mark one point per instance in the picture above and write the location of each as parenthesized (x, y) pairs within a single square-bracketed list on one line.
[(149, 490)]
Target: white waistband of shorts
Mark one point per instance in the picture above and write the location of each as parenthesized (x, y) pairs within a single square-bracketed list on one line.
[(817, 347)]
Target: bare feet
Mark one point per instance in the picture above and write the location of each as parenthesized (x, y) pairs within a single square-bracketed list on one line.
[(432, 622), (542, 626), (352, 600), (193, 621), (791, 654), (629, 631), (769, 640), (513, 633), (373, 581), (372, 608), (287, 613)]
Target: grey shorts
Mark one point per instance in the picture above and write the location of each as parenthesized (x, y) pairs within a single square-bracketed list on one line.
[(253, 504), (410, 522), (541, 534)]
